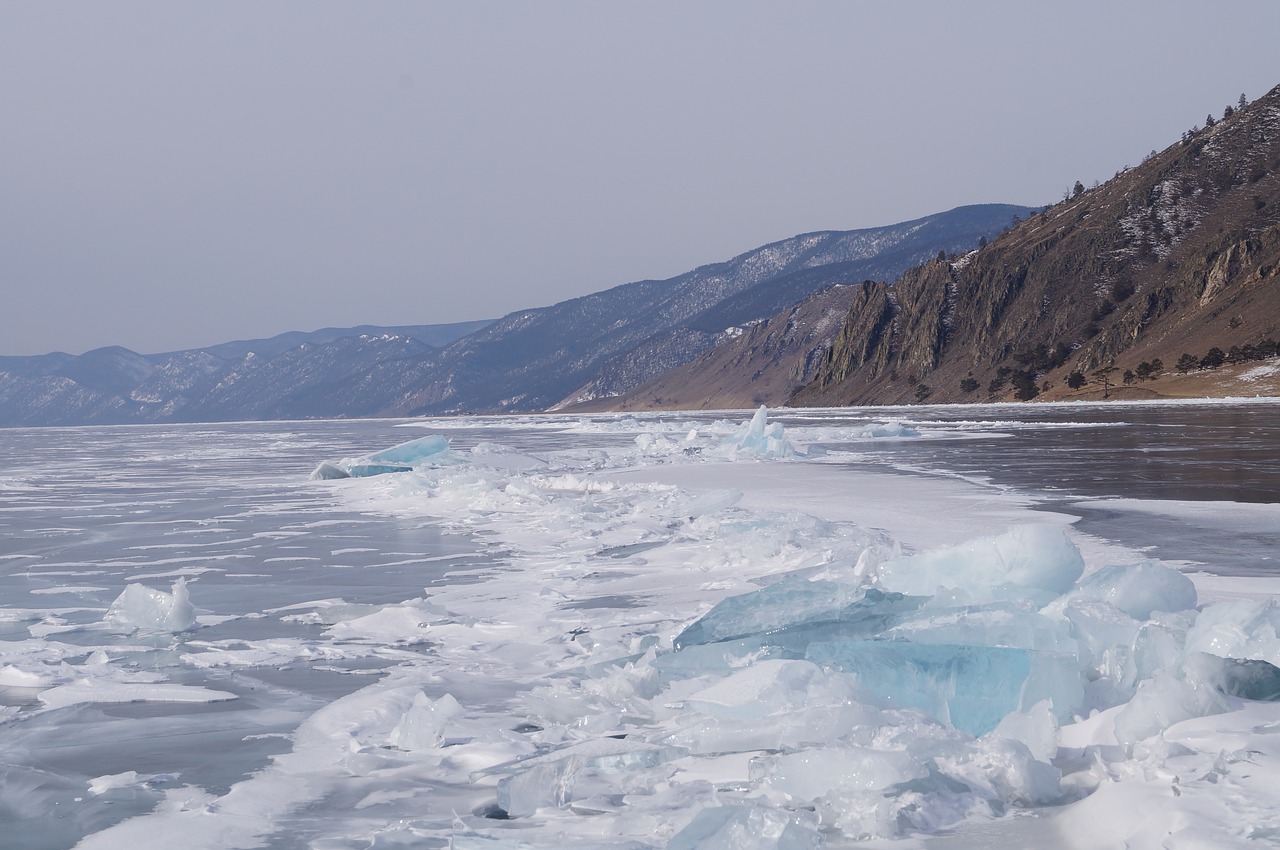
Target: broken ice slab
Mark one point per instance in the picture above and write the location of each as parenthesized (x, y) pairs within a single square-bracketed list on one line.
[(810, 774), (327, 471), (423, 725), (793, 603), (541, 786), (355, 468), (749, 827), (142, 607), (766, 688), (412, 452), (970, 687), (1238, 628), (399, 458), (1162, 701), (993, 624), (549, 779), (1036, 562), (608, 755), (808, 725), (759, 438), (367, 470), (1138, 590)]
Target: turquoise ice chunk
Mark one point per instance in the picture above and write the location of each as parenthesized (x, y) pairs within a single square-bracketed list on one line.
[(970, 687), (412, 452)]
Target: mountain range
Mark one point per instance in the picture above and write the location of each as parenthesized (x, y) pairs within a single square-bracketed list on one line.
[(1163, 281), (597, 346)]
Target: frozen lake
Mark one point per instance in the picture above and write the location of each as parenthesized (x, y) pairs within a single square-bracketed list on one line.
[(480, 653)]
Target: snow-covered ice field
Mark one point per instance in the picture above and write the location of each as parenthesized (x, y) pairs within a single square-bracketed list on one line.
[(967, 627)]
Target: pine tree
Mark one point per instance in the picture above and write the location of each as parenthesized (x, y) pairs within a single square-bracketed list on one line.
[(1104, 376)]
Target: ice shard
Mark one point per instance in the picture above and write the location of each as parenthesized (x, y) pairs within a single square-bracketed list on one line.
[(142, 607)]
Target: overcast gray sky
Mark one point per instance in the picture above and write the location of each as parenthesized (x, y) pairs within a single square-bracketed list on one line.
[(178, 174)]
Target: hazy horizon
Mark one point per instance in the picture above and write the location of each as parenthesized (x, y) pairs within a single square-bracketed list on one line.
[(179, 175)]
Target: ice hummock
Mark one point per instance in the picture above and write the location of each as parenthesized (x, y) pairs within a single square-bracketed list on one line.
[(142, 607), (757, 438), (424, 724)]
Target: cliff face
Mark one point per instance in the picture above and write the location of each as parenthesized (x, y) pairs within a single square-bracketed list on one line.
[(1178, 255)]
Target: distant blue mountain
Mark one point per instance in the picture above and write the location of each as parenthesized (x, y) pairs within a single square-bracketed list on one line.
[(598, 345)]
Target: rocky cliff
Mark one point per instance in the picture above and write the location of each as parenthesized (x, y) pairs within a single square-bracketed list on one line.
[(763, 363), (1177, 256)]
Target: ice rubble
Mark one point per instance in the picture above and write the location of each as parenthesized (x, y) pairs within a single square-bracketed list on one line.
[(864, 697), (909, 696)]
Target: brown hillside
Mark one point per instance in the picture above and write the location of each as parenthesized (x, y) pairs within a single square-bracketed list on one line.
[(764, 365), (1178, 255)]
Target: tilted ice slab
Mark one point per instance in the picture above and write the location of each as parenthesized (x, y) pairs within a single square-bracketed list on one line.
[(400, 458)]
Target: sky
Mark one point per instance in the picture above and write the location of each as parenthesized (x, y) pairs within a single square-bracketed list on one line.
[(177, 174)]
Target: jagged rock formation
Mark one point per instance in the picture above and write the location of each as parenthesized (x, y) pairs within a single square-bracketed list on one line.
[(1179, 254)]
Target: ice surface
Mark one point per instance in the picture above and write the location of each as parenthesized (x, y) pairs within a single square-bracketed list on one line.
[(142, 607), (647, 648)]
